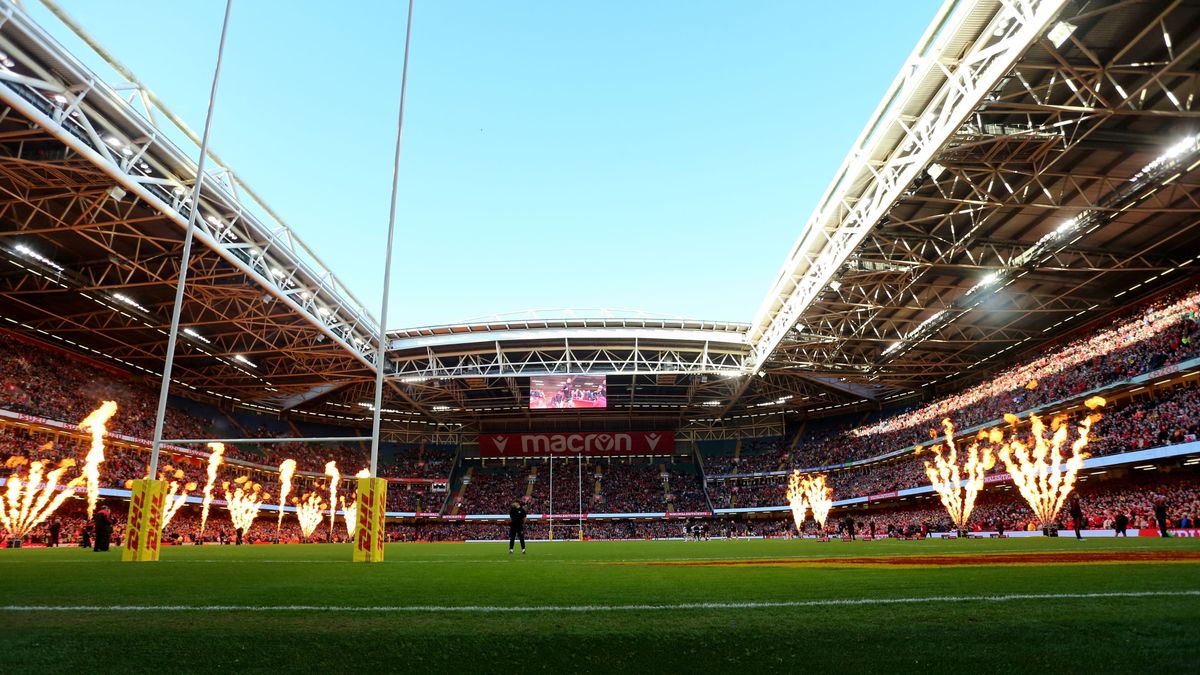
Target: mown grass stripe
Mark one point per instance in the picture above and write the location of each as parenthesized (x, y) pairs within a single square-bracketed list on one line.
[(492, 609)]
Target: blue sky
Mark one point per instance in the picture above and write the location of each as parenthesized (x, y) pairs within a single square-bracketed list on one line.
[(659, 156)]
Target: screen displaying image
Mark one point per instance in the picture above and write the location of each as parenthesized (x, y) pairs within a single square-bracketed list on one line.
[(568, 391)]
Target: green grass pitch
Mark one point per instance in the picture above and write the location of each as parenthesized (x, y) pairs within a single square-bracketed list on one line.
[(573, 588)]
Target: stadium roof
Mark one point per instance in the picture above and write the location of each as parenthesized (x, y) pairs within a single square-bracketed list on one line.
[(1033, 166)]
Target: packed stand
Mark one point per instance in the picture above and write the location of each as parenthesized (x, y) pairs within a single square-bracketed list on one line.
[(1154, 336), (420, 461)]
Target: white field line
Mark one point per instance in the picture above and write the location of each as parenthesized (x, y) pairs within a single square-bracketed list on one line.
[(500, 609)]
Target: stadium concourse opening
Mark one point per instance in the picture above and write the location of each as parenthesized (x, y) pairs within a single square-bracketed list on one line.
[(963, 423)]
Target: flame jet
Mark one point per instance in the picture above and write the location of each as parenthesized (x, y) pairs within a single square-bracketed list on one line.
[(28, 503), (175, 498), (331, 470), (95, 423), (819, 497), (244, 502), (309, 511), (286, 470), (796, 498), (945, 476), (1039, 471), (214, 461)]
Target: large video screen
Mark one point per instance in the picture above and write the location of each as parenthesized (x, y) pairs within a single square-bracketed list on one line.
[(568, 391)]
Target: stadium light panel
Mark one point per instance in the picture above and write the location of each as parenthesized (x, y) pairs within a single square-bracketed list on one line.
[(125, 299), (197, 335), (30, 253)]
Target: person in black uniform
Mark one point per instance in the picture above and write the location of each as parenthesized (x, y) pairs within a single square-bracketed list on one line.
[(103, 520), (872, 525), (1077, 516), (1160, 515), (55, 530), (516, 525), (1119, 524), (85, 534), (237, 532)]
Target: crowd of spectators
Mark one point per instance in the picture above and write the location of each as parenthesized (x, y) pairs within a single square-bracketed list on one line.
[(1149, 337), (418, 461), (1151, 420), (491, 490), (755, 456), (685, 491), (600, 487), (1152, 336), (631, 488), (56, 385), (1101, 502)]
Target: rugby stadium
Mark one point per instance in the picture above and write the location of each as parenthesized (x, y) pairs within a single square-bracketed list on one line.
[(959, 433)]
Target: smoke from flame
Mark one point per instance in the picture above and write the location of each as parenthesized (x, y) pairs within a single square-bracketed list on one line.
[(95, 423)]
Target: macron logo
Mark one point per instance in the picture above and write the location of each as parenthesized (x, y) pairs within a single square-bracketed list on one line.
[(652, 440), (500, 442)]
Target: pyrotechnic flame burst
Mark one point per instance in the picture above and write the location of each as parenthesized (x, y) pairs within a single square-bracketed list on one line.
[(214, 461), (809, 492), (95, 423), (796, 498), (244, 502), (309, 511), (286, 470), (27, 504), (819, 497), (175, 498), (1040, 473), (945, 476), (350, 509), (331, 470), (350, 513)]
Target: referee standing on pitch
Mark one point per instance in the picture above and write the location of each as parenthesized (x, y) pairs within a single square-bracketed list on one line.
[(516, 525)]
